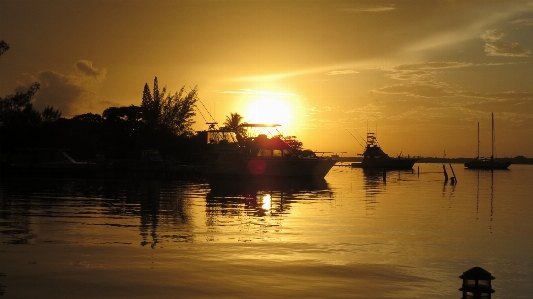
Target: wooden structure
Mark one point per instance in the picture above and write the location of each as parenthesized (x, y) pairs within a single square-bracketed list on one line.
[(476, 284)]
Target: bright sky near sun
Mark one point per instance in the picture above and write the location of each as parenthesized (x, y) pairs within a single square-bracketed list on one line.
[(422, 73)]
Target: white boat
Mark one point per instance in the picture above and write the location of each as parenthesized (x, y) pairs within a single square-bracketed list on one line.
[(263, 152)]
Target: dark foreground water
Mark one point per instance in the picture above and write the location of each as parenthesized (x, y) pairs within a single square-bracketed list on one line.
[(352, 235)]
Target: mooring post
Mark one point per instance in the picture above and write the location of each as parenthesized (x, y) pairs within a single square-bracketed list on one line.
[(454, 178), (445, 173)]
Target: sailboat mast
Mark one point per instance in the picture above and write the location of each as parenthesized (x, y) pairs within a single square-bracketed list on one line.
[(492, 150), (478, 139)]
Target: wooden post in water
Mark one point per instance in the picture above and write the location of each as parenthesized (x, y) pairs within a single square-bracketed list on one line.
[(445, 173), (454, 179)]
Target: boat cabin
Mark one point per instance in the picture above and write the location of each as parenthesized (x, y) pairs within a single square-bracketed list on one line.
[(373, 150)]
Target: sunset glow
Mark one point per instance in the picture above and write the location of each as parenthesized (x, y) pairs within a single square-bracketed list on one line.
[(269, 110), (323, 68)]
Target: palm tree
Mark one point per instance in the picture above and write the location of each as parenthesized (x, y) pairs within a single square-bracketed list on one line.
[(234, 122)]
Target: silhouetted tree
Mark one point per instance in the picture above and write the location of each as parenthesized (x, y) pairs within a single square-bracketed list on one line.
[(3, 47), (88, 118), (17, 109), (177, 111), (50, 115), (151, 103), (130, 113), (234, 122), (293, 142), (172, 112)]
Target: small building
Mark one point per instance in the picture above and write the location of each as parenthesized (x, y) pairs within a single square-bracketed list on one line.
[(476, 284)]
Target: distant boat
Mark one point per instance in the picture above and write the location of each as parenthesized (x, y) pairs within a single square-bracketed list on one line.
[(486, 163), (262, 153), (47, 162), (375, 158)]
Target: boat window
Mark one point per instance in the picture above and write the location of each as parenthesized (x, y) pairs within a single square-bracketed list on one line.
[(276, 153), (264, 153)]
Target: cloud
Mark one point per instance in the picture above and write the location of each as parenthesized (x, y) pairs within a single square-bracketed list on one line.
[(57, 90), (523, 22), (507, 49), (422, 83), (492, 35), (427, 71), (496, 46), (345, 72), (500, 96), (359, 7), (86, 67), (430, 66), (73, 93), (257, 92), (422, 71), (420, 89)]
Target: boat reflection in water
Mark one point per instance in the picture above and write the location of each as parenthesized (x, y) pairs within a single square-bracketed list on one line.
[(261, 196)]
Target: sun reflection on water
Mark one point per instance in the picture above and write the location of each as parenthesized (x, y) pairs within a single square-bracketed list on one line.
[(267, 203)]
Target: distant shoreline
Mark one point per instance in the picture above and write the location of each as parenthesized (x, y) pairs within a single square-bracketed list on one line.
[(517, 160)]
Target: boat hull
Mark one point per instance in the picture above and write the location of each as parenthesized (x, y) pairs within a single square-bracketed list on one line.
[(403, 163), (479, 164), (270, 167)]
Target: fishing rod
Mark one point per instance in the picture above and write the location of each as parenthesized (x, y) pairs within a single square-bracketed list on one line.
[(362, 145)]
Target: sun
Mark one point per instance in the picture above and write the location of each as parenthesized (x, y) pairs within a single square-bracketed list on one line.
[(269, 110)]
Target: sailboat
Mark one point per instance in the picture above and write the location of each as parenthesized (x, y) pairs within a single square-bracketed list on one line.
[(486, 163)]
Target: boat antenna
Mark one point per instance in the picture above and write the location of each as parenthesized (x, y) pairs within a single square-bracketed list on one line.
[(357, 140), (211, 124), (361, 137)]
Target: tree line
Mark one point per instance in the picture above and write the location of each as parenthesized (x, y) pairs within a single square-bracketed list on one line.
[(162, 121)]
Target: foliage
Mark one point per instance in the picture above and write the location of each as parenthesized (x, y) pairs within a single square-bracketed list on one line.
[(151, 103), (3, 47), (17, 109), (177, 111), (88, 118), (234, 122), (172, 112), (130, 113), (293, 142), (50, 115), (162, 122)]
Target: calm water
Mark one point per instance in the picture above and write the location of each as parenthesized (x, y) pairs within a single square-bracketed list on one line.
[(352, 235)]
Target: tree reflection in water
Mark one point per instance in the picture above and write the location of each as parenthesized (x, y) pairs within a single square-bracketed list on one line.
[(259, 196), (166, 209)]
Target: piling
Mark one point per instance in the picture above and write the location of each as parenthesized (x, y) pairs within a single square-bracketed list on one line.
[(454, 178), (445, 173)]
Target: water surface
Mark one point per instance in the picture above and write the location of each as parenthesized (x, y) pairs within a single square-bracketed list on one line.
[(352, 235)]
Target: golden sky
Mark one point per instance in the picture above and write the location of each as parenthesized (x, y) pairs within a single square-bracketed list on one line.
[(422, 73)]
